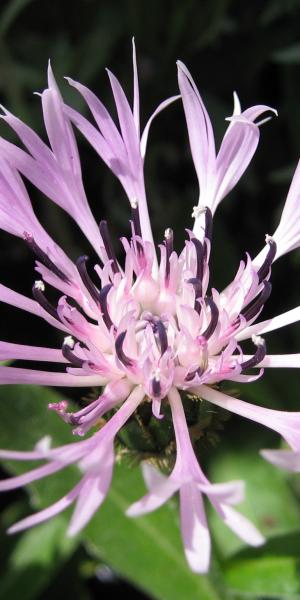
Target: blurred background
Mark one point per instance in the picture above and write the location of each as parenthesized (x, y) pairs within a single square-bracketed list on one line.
[(253, 48)]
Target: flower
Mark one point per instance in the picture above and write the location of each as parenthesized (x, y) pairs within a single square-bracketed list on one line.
[(150, 333)]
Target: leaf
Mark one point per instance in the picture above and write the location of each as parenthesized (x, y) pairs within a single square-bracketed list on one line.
[(10, 13), (269, 501), (148, 550), (36, 558), (287, 56), (274, 577)]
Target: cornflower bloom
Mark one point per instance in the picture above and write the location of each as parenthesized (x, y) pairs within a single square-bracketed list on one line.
[(150, 334)]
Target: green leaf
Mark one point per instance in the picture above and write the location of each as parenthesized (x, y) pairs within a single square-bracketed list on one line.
[(147, 550), (288, 56), (274, 577), (36, 558), (269, 501)]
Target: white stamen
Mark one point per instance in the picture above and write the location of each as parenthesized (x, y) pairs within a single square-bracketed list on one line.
[(257, 340), (168, 233), (134, 202), (69, 341), (197, 211), (39, 285), (156, 374), (269, 238)]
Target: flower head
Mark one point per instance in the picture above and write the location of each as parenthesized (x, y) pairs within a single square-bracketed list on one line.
[(148, 332)]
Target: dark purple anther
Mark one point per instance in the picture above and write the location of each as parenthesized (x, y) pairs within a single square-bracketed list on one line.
[(38, 294), (193, 374), (197, 285), (136, 218), (44, 258), (156, 387), (214, 318), (159, 328), (108, 246), (208, 223), (81, 266), (252, 309), (128, 362), (69, 355), (257, 357), (169, 237), (265, 267), (103, 304), (200, 258)]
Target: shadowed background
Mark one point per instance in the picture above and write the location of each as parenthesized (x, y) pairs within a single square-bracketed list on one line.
[(251, 48)]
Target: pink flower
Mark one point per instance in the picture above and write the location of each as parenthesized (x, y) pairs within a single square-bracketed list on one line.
[(146, 330)]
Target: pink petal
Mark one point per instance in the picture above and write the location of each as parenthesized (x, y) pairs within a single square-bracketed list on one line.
[(287, 234), (287, 424), (145, 134), (234, 156), (242, 526), (287, 318), (285, 459), (19, 301), (18, 351), (95, 486), (136, 94), (200, 133), (194, 529), (154, 499), (13, 375), (46, 513)]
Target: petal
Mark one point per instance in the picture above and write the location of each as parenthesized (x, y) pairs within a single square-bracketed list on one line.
[(20, 352), (200, 132), (161, 106), (287, 234), (194, 529), (285, 361), (154, 499), (234, 156), (13, 375), (287, 424), (46, 513), (19, 301), (287, 318), (242, 526), (136, 94), (285, 459), (92, 493)]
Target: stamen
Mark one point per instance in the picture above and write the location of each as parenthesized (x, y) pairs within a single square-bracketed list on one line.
[(136, 217), (252, 309), (169, 249), (81, 266), (197, 285), (37, 291), (103, 304), (67, 352), (208, 223), (192, 374), (128, 362), (108, 246), (259, 354), (200, 256), (264, 269), (44, 258), (197, 211), (156, 387), (159, 328), (214, 318)]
